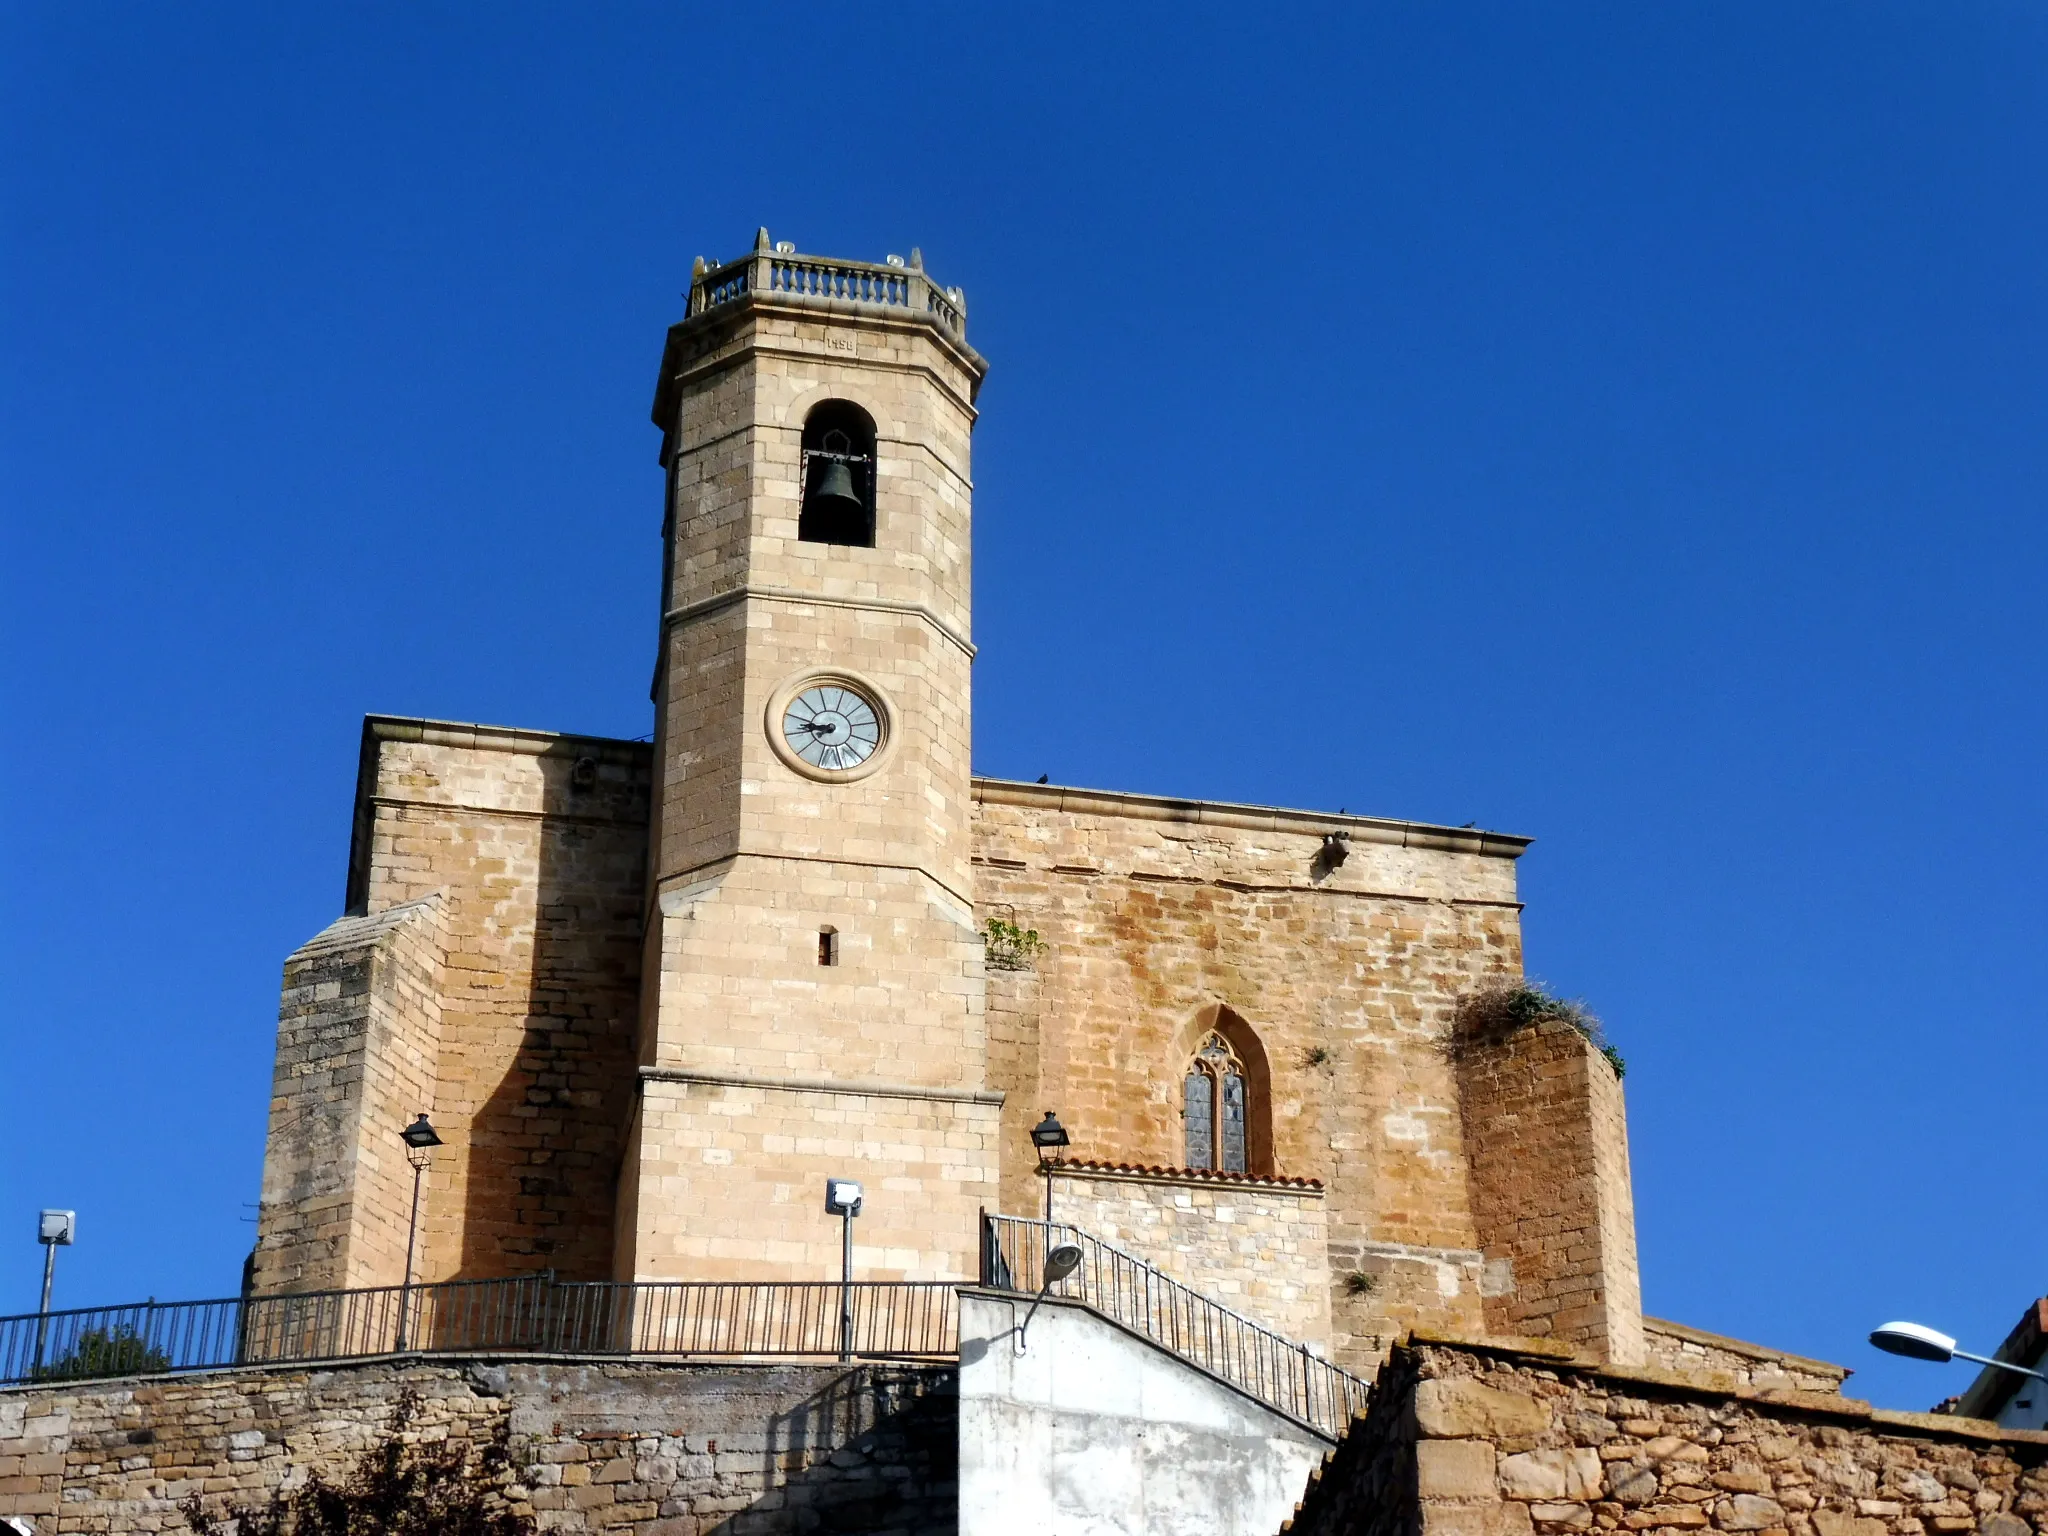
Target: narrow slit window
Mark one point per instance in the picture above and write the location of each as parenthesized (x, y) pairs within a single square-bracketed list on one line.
[(828, 946)]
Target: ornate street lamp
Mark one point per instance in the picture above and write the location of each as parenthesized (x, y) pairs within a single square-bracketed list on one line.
[(1047, 1135), (420, 1140)]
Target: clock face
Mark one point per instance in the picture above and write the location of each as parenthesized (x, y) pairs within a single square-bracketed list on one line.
[(830, 726)]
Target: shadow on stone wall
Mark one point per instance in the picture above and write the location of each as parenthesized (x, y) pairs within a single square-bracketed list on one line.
[(545, 1145), (877, 1449)]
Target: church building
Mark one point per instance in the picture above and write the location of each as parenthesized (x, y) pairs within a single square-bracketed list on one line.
[(653, 995)]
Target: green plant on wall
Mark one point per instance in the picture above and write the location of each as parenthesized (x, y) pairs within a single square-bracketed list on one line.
[(1011, 948), (1493, 1013), (116, 1351)]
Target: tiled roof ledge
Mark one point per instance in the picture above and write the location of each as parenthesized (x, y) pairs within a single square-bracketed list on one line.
[(1151, 1173)]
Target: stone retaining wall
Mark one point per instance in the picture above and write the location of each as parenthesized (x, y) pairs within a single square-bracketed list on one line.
[(1472, 1439), (650, 1450)]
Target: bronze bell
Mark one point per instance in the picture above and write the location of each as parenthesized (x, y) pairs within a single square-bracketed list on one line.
[(835, 492)]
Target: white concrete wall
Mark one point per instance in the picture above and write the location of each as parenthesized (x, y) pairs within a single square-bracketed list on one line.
[(1092, 1431)]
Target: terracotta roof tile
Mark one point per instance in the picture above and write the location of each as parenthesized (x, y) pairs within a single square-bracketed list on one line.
[(1201, 1175)]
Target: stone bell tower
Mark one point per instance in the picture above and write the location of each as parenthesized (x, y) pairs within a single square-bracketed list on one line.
[(813, 988)]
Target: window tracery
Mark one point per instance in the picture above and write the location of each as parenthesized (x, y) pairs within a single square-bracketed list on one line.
[(1215, 1105)]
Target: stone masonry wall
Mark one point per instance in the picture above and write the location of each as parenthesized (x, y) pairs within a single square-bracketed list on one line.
[(1154, 913), (537, 844), (358, 1038), (1260, 1249), (650, 1450), (1550, 1190), (1472, 1439), (1675, 1347)]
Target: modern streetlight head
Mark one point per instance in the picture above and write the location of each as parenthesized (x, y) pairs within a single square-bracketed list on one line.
[(1914, 1341), (59, 1227), (842, 1197), (1048, 1133), (1061, 1262)]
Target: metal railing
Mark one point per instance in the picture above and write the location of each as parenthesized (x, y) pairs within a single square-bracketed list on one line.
[(820, 280), (1283, 1375), (895, 1320), (684, 1319)]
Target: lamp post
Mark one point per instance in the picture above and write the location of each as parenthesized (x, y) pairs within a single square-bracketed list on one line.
[(1046, 1135), (420, 1140), (842, 1199), (54, 1229), (1918, 1342)]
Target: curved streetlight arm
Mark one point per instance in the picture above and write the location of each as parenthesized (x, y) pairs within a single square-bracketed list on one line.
[(2003, 1365), (1059, 1263)]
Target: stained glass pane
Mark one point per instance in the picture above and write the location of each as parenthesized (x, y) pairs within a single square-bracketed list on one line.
[(1198, 1108), (1233, 1124)]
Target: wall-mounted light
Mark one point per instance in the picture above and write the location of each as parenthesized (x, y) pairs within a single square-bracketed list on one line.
[(1060, 1262)]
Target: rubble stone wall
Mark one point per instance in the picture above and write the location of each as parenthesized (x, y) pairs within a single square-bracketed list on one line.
[(648, 1450), (1470, 1439), (1675, 1347)]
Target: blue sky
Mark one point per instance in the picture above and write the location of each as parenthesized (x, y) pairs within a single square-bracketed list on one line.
[(1612, 423)]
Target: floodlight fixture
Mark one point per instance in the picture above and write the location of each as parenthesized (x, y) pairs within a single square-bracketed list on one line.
[(54, 1230), (842, 1199)]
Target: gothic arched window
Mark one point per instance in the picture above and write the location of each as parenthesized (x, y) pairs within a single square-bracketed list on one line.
[(1215, 1107)]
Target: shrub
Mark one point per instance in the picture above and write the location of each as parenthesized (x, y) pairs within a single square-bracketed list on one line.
[(1011, 948), (116, 1351), (1505, 1008)]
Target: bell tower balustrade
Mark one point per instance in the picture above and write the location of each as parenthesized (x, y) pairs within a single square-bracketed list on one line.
[(828, 284)]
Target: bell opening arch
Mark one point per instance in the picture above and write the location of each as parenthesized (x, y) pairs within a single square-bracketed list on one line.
[(838, 476)]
